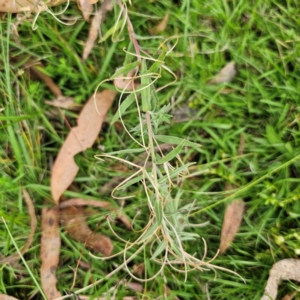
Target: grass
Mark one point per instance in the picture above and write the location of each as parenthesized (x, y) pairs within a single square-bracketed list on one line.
[(264, 107)]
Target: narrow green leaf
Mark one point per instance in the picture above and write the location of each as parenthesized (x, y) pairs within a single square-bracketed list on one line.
[(111, 31), (160, 61), (150, 232), (176, 140), (175, 173), (187, 236), (132, 181), (15, 118), (158, 210), (171, 154), (276, 141), (125, 69), (146, 94), (129, 57), (125, 151), (123, 107), (161, 247), (176, 249)]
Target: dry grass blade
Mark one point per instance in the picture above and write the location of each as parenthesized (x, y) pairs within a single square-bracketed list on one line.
[(33, 223), (50, 248), (94, 28), (232, 221), (225, 75), (285, 269), (74, 221), (79, 139)]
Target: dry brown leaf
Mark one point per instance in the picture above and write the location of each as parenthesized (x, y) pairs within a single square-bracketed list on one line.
[(14, 6), (232, 221), (161, 26), (33, 223), (64, 102), (96, 203), (102, 204), (139, 269), (5, 297), (135, 286), (126, 83), (84, 202), (290, 297), (225, 75), (79, 139), (74, 220), (95, 25), (86, 8), (50, 248), (285, 269)]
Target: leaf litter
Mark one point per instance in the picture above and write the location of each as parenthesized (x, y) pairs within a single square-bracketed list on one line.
[(232, 221), (225, 75), (50, 243), (233, 213), (86, 8), (95, 25), (96, 203), (79, 139), (50, 249), (74, 221)]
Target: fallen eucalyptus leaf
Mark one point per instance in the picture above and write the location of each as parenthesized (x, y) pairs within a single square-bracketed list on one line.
[(86, 8), (50, 248), (95, 25), (79, 139), (225, 75), (74, 221), (231, 223)]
